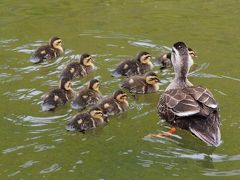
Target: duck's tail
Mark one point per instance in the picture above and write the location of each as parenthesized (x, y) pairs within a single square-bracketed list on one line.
[(207, 129)]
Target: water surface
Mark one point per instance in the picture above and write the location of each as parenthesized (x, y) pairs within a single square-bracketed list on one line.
[(35, 143)]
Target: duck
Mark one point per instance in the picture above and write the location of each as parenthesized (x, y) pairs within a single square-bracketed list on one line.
[(50, 51), (140, 65), (58, 96), (79, 69), (186, 106), (114, 104), (142, 84), (87, 120), (87, 95), (165, 59)]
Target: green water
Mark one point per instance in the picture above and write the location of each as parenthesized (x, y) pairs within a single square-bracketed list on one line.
[(36, 144)]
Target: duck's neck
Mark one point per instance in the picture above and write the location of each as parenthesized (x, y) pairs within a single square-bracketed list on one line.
[(181, 73)]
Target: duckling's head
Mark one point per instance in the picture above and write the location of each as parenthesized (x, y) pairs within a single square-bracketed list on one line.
[(181, 59), (192, 52), (96, 113), (56, 43), (120, 96), (86, 60), (94, 84), (66, 84), (144, 57), (151, 78)]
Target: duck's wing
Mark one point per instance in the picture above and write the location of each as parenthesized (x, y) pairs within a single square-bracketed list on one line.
[(40, 54), (176, 102), (206, 127), (81, 122), (126, 68), (135, 84), (107, 105), (192, 108)]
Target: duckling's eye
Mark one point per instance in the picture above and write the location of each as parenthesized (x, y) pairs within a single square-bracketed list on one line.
[(147, 57)]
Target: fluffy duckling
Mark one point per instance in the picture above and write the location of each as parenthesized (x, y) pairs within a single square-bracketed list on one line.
[(87, 95), (115, 104), (140, 65), (59, 96), (81, 68), (88, 120), (165, 59), (50, 51), (189, 107), (142, 84)]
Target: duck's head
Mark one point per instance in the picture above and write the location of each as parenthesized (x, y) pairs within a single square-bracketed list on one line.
[(86, 60), (192, 52), (56, 43), (94, 84), (144, 57), (151, 78), (96, 113), (66, 84), (181, 59), (120, 96)]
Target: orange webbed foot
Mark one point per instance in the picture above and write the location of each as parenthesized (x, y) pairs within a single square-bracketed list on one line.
[(168, 133)]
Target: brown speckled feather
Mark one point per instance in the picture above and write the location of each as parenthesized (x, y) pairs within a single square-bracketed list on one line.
[(194, 109)]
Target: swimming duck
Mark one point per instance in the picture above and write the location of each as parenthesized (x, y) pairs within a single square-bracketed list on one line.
[(87, 95), (115, 104), (187, 106), (140, 65), (81, 68), (165, 59), (50, 51), (142, 84), (88, 120), (59, 96)]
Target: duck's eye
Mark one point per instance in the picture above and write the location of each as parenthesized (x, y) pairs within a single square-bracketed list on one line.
[(147, 57)]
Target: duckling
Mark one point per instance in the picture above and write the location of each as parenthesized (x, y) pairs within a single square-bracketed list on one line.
[(50, 51), (165, 59), (140, 65), (59, 96), (142, 84), (88, 120), (115, 104), (81, 68), (87, 95), (186, 106)]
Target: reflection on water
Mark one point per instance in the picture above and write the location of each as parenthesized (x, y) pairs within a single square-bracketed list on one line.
[(38, 142)]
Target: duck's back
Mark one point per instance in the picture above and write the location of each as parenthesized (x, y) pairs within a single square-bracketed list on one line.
[(81, 122), (135, 84), (127, 68), (194, 109)]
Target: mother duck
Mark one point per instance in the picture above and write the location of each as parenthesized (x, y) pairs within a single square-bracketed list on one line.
[(186, 106)]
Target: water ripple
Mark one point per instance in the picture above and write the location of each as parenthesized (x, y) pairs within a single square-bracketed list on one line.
[(13, 149), (28, 164), (53, 168), (23, 94), (235, 172)]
